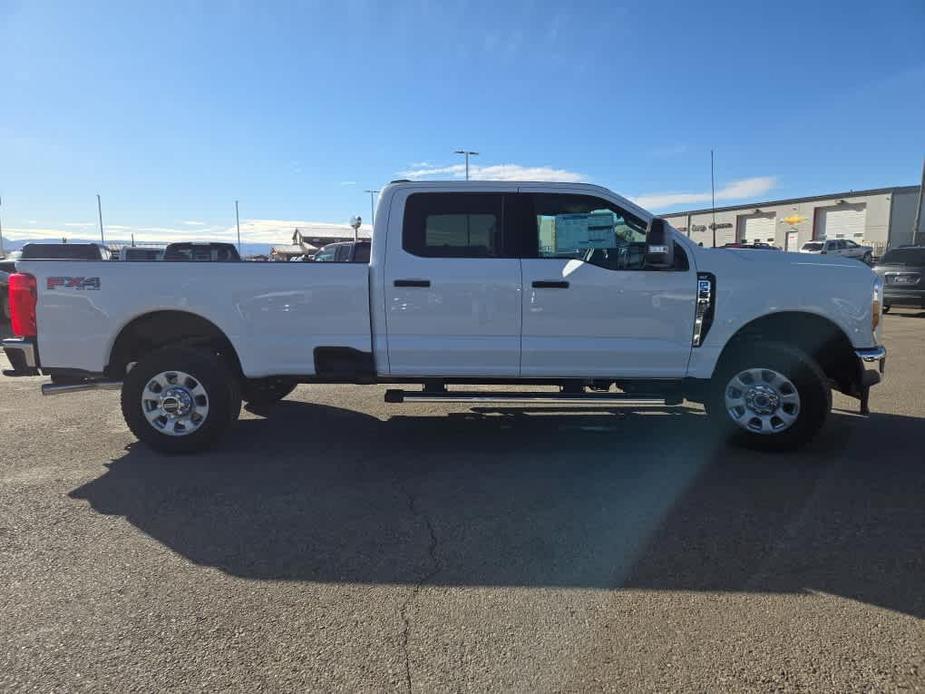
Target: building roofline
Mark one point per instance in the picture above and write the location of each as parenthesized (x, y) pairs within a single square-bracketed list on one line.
[(790, 201)]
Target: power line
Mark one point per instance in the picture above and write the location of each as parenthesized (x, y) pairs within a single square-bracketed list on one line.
[(99, 209)]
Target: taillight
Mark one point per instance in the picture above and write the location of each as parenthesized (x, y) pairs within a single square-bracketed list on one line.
[(23, 296)]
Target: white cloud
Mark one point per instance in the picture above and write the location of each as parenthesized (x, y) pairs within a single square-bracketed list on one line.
[(348, 183), (737, 190), (193, 223), (79, 225), (496, 172), (270, 231)]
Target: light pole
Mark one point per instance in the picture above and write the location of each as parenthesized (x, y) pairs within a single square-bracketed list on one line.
[(467, 153), (372, 205), (237, 223), (99, 208), (2, 254), (915, 225)]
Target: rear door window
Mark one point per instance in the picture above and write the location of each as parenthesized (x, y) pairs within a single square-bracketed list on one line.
[(362, 253), (454, 225)]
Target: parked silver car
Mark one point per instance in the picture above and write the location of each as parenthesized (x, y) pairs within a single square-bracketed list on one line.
[(842, 247)]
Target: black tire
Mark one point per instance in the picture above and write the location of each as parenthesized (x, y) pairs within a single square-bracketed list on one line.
[(800, 369), (886, 308), (266, 391), (868, 258), (4, 305), (221, 385)]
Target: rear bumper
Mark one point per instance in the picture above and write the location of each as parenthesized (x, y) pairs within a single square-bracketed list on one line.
[(903, 297), (23, 356)]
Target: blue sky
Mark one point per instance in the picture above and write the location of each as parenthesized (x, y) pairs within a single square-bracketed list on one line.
[(172, 110)]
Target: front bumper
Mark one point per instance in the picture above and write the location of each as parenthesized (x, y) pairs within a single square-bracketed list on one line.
[(23, 356), (872, 361)]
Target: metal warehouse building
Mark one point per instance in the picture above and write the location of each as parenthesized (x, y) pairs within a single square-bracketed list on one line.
[(879, 218)]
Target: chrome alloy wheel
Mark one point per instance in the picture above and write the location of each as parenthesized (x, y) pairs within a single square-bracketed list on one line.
[(762, 401), (175, 403)]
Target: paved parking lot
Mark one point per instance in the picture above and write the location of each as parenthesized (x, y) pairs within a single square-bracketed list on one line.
[(338, 543)]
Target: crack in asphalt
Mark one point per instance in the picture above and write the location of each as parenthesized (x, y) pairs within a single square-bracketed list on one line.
[(422, 581)]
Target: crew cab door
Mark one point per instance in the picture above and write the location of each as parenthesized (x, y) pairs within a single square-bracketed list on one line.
[(590, 307), (451, 289)]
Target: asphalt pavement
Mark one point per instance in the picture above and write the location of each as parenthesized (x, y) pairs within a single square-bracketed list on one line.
[(335, 542)]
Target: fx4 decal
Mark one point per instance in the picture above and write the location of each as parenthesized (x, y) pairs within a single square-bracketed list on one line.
[(79, 283)]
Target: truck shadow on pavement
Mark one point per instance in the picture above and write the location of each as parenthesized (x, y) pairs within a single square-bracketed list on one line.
[(598, 500)]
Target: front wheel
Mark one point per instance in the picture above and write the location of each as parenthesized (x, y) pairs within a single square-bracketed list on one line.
[(770, 396), (180, 400), (868, 258)]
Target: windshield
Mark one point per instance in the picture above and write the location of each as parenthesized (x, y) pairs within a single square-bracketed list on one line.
[(904, 256), (812, 246)]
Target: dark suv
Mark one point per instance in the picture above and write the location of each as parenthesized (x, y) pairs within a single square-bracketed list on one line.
[(344, 252), (903, 273)]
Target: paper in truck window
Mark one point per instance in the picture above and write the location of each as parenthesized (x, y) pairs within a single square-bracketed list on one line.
[(584, 231)]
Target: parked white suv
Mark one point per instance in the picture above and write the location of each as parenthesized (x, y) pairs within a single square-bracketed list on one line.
[(843, 247)]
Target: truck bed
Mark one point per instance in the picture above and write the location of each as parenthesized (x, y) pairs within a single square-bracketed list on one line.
[(276, 314)]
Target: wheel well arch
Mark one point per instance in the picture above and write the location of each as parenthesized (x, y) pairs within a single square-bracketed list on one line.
[(818, 336), (157, 329)]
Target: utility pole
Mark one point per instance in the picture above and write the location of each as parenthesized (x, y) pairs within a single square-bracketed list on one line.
[(372, 205), (918, 210), (713, 197), (467, 153), (99, 208), (237, 222)]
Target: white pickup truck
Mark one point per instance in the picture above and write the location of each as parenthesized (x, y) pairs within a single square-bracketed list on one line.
[(468, 283)]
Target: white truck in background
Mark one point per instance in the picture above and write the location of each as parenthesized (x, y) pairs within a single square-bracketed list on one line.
[(468, 283)]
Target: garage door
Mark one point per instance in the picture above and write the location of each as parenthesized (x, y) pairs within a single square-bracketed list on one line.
[(756, 227), (842, 222)]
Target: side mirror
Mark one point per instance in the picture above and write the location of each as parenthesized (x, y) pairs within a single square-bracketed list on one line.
[(659, 245)]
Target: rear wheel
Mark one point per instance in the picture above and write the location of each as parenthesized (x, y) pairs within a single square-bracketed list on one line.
[(868, 258), (886, 308), (770, 396), (180, 400), (4, 304)]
